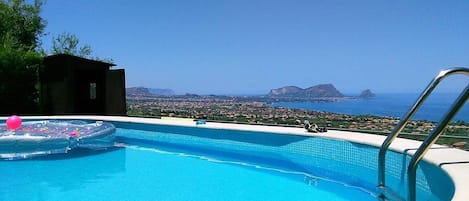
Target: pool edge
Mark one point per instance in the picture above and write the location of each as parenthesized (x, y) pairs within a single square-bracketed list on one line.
[(453, 161)]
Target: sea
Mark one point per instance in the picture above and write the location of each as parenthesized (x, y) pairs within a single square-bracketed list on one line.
[(390, 105)]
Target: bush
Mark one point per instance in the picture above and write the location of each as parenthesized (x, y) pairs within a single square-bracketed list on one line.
[(18, 81)]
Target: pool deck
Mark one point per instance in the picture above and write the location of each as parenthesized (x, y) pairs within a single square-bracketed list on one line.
[(454, 161)]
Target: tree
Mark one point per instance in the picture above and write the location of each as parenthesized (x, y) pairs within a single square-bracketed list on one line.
[(21, 22), (67, 43), (20, 29), (19, 68)]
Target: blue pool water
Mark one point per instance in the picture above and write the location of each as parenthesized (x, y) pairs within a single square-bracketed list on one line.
[(181, 163)]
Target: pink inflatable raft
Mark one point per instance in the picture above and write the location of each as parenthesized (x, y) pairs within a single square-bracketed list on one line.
[(52, 136)]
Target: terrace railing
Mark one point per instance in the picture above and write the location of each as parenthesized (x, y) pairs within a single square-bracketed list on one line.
[(429, 140)]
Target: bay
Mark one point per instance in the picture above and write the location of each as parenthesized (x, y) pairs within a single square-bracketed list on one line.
[(392, 105)]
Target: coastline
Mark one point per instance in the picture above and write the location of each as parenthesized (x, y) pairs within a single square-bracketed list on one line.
[(249, 110), (385, 105)]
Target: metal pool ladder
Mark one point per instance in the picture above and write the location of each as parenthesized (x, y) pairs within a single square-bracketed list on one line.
[(429, 140)]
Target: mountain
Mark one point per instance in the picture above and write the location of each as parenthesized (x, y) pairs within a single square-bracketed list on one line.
[(318, 91), (142, 91), (323, 90), (137, 91), (288, 90), (367, 94), (161, 92)]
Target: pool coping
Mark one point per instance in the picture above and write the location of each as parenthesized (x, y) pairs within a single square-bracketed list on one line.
[(453, 161)]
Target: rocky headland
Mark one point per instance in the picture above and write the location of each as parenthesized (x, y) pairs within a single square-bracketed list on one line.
[(321, 92), (317, 91), (367, 94)]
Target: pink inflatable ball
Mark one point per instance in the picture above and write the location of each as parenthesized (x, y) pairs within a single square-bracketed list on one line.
[(75, 133), (13, 122)]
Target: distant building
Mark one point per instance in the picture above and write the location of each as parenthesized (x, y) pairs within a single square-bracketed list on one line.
[(75, 85)]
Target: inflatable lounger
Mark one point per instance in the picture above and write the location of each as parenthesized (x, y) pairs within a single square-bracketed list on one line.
[(53, 136)]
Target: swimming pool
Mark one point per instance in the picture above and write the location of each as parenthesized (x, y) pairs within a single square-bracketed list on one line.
[(188, 162)]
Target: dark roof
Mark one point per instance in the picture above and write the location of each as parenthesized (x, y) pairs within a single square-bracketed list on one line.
[(81, 59)]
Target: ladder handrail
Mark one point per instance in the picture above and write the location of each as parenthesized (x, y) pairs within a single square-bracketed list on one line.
[(430, 140), (400, 126)]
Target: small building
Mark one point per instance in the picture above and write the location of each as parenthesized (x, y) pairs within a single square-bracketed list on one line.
[(75, 85)]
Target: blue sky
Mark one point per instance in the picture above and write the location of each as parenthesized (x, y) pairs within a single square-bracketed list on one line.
[(252, 46)]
